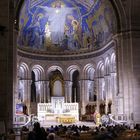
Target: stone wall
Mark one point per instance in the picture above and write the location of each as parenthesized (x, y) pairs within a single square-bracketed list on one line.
[(6, 61)]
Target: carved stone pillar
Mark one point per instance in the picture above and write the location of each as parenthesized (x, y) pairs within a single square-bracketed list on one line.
[(69, 91), (113, 91), (66, 91), (90, 91), (38, 91), (101, 88), (25, 100), (106, 77), (83, 96), (101, 94), (48, 98), (107, 91), (29, 82), (44, 91)]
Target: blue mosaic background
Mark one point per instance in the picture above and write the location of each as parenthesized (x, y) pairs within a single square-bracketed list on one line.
[(66, 25)]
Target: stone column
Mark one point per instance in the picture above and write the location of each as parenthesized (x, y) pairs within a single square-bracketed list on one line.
[(113, 91), (99, 91), (66, 91), (69, 91), (29, 82), (25, 98), (38, 91), (127, 52), (90, 89), (44, 91), (106, 77), (48, 92), (107, 91), (83, 96)]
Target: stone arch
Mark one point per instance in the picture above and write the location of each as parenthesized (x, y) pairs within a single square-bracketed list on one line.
[(100, 73), (100, 69), (120, 14), (37, 73), (70, 71), (89, 71), (17, 12), (89, 76), (53, 68), (73, 73), (56, 81), (21, 81), (23, 70), (101, 80)]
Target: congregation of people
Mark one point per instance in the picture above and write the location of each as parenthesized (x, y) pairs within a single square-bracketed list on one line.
[(75, 132)]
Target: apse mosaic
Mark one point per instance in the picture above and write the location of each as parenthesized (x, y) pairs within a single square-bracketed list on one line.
[(65, 25)]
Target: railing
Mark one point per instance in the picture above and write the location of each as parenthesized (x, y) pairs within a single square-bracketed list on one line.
[(26, 121), (121, 122)]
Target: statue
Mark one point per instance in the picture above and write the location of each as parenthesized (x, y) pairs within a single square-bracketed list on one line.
[(97, 118)]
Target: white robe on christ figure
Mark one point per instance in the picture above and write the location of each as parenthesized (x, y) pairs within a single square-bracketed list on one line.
[(56, 19)]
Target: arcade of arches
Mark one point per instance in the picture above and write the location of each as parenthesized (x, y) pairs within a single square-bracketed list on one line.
[(84, 51), (90, 78), (92, 83)]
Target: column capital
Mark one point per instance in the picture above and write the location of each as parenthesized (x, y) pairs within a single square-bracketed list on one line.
[(68, 83), (113, 73), (46, 82), (99, 78), (29, 81), (107, 76)]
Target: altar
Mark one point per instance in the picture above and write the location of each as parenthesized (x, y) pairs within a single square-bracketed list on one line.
[(59, 111), (66, 119)]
